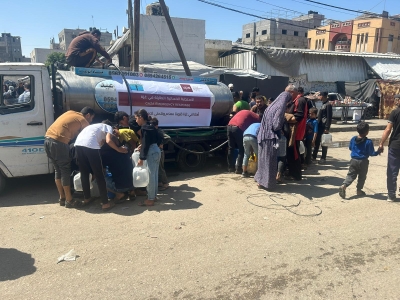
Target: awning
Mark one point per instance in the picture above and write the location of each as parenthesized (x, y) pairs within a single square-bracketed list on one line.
[(236, 72), (386, 68)]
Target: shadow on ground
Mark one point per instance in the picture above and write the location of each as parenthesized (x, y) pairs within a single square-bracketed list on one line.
[(15, 264), (174, 198)]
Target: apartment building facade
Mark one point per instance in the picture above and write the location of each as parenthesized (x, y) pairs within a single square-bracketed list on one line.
[(10, 48), (279, 32), (371, 35)]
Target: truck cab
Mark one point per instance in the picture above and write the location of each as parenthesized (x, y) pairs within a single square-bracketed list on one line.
[(26, 111)]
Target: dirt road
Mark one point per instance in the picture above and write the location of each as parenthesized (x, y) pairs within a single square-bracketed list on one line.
[(212, 235)]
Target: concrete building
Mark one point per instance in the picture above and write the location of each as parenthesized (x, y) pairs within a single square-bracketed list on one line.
[(157, 45), (67, 35), (213, 50), (373, 34), (279, 32), (10, 48), (39, 55)]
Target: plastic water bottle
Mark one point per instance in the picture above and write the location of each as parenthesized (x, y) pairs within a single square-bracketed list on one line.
[(140, 177), (282, 146)]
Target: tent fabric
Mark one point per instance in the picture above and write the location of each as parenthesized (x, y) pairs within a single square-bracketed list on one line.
[(236, 72), (286, 61), (317, 67), (363, 90), (118, 44), (329, 68), (386, 68), (197, 69), (389, 89)]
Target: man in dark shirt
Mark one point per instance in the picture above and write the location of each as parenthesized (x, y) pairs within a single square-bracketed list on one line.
[(393, 166), (82, 51), (299, 110), (237, 125), (324, 124), (260, 106)]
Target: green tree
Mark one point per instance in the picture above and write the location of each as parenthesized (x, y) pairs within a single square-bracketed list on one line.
[(56, 57)]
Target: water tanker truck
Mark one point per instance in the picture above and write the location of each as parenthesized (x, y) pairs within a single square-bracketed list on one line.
[(193, 111)]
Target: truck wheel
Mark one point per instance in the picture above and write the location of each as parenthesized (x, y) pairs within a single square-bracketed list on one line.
[(2, 183), (190, 162), (369, 113)]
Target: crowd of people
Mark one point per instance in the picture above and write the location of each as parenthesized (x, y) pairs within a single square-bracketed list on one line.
[(104, 150), (13, 94), (275, 131)]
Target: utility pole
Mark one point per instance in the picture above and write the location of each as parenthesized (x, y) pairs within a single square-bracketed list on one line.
[(136, 35), (130, 24), (175, 38)]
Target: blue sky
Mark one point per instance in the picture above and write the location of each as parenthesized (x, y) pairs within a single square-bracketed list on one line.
[(38, 21)]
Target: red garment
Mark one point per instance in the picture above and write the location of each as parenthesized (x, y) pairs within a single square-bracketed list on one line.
[(243, 119), (301, 126)]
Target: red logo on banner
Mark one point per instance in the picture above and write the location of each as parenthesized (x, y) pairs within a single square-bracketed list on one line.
[(186, 88)]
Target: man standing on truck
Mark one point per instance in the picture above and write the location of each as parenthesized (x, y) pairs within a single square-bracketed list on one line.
[(82, 51), (57, 139)]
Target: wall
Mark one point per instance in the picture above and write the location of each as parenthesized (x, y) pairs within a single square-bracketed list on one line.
[(390, 27), (67, 35), (10, 48), (274, 35), (157, 45), (39, 55), (363, 27), (313, 86), (319, 35), (213, 48)]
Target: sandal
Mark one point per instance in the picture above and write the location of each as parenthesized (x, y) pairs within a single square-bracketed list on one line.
[(86, 202), (147, 203), (72, 204), (120, 200), (61, 201), (112, 204), (164, 187)]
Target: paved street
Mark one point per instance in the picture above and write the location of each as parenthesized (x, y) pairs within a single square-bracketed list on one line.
[(212, 235)]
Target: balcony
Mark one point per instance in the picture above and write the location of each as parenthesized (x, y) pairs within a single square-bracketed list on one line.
[(342, 46)]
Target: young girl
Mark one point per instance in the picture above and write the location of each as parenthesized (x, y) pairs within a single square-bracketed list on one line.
[(149, 151)]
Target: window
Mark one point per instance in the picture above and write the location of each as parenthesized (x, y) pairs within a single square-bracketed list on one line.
[(284, 31), (17, 94), (283, 45), (323, 44), (306, 35), (296, 33), (316, 44), (391, 36), (247, 35), (264, 32)]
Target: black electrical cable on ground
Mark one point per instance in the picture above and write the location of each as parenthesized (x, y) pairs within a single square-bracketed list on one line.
[(195, 152), (285, 207)]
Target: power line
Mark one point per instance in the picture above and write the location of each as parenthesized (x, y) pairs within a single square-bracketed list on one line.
[(281, 22), (324, 8), (342, 8)]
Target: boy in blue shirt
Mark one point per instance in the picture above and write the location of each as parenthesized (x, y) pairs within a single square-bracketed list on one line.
[(311, 132), (361, 148)]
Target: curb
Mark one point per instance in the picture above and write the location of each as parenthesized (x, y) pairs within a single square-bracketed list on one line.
[(353, 127)]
